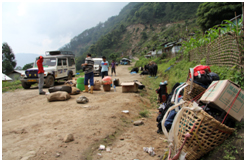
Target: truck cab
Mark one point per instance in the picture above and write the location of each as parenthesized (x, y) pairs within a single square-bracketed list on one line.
[(58, 65)]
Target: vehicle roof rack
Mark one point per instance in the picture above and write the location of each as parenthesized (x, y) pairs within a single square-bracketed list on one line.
[(52, 53)]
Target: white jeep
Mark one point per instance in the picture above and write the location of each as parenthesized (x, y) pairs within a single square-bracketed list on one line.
[(97, 65), (58, 65)]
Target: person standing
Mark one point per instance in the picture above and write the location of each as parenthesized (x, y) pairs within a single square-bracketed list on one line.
[(89, 75), (105, 67), (113, 67), (40, 75)]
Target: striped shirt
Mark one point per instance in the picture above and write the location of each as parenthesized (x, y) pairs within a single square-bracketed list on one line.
[(89, 66)]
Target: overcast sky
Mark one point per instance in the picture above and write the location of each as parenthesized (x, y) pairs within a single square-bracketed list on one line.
[(36, 27)]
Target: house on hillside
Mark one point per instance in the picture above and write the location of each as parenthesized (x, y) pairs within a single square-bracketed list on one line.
[(5, 78), (171, 47), (148, 55), (153, 53), (16, 74), (125, 61), (156, 53)]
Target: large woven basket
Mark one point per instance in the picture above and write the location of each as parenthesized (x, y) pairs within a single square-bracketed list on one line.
[(210, 133), (190, 94), (206, 135)]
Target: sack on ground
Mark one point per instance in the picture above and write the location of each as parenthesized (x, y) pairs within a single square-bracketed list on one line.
[(97, 85), (75, 91), (67, 89), (58, 96), (71, 83), (82, 100)]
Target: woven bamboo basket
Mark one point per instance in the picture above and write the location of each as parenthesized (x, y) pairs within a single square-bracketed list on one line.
[(194, 92), (206, 135), (210, 133), (192, 89)]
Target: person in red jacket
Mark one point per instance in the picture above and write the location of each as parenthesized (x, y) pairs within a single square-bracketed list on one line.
[(40, 75)]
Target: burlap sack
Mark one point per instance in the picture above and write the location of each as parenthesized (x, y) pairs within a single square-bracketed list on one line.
[(75, 91), (58, 96), (82, 100), (71, 83), (97, 85)]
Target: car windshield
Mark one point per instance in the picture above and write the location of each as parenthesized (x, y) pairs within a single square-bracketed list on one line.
[(47, 62), (97, 62)]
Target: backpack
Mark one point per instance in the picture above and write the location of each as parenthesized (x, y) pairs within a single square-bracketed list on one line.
[(201, 75)]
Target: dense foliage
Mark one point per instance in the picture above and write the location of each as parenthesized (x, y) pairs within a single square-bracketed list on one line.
[(213, 13), (162, 12), (27, 66), (8, 59), (213, 33)]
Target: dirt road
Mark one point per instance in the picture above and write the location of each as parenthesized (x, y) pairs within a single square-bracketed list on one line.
[(33, 128)]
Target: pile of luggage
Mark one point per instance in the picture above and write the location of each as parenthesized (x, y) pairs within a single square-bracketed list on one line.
[(63, 93), (199, 114)]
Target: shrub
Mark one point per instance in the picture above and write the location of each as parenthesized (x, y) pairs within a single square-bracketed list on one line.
[(144, 113)]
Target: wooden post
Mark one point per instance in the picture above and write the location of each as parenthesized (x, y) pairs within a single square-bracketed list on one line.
[(207, 59), (236, 24), (243, 13)]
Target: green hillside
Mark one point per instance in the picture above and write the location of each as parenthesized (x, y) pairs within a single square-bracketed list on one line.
[(144, 26), (114, 36)]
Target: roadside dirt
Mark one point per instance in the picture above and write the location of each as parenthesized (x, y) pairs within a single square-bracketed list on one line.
[(33, 128)]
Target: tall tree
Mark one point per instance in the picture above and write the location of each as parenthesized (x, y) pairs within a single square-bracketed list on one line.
[(27, 66), (213, 13), (8, 59)]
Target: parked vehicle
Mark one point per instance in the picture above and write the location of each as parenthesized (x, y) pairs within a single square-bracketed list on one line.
[(97, 66), (58, 65), (125, 61)]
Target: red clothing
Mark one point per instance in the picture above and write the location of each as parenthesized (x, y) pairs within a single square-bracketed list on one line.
[(201, 69), (40, 65)]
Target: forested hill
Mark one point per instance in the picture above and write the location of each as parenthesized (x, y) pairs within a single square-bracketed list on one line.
[(79, 44), (110, 37)]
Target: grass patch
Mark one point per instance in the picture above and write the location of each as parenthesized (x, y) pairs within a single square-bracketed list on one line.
[(130, 68), (144, 113), (11, 86)]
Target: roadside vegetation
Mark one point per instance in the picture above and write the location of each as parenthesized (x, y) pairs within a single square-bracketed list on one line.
[(10, 86)]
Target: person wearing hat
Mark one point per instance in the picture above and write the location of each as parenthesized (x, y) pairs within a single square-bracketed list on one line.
[(40, 75), (162, 91)]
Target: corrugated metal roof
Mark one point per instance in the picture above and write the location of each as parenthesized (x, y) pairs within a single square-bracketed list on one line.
[(20, 71)]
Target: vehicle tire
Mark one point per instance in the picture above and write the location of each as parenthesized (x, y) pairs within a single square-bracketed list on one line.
[(50, 81), (26, 85), (70, 76)]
